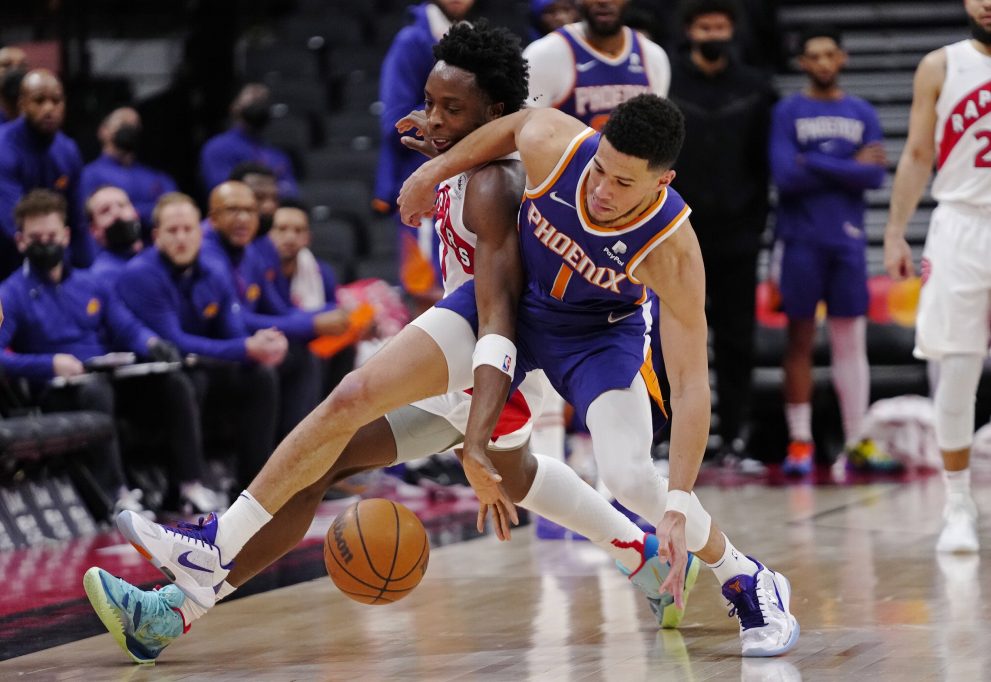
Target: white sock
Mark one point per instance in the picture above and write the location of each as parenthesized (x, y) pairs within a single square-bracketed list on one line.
[(244, 518), (226, 589), (799, 416), (190, 612), (851, 375), (560, 495), (957, 484), (732, 564)]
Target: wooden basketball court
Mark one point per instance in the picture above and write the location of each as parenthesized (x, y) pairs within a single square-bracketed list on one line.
[(873, 598)]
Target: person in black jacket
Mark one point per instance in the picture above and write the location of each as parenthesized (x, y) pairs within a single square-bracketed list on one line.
[(723, 175)]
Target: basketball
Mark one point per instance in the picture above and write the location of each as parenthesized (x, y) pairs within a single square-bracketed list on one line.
[(376, 551)]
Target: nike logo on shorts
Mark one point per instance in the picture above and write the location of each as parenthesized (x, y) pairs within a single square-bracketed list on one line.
[(559, 200), (614, 318)]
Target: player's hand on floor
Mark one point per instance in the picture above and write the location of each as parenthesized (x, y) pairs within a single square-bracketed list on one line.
[(492, 495), (674, 550)]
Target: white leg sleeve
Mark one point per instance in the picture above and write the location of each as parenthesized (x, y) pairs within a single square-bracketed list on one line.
[(955, 396), (560, 495), (620, 424), (851, 375)]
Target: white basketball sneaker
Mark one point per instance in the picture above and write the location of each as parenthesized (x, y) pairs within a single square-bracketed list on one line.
[(761, 601), (960, 526), (186, 554)]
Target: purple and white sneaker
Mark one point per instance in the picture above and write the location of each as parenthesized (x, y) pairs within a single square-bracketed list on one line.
[(761, 601), (186, 554)]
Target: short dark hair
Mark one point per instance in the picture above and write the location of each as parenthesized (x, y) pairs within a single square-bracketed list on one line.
[(647, 127), (39, 202), (293, 202), (250, 168), (691, 9), (493, 55), (820, 31)]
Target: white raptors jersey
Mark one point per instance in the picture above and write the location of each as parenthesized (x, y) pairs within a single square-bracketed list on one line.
[(963, 128), (457, 242)]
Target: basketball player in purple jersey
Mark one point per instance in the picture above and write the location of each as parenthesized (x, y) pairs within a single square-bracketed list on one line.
[(599, 225), (588, 68), (825, 151), (950, 125), (479, 74)]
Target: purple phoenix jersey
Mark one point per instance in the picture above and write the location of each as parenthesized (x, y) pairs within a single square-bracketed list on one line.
[(601, 83), (583, 318)]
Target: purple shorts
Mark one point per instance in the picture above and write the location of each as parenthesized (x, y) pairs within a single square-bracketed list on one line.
[(811, 273)]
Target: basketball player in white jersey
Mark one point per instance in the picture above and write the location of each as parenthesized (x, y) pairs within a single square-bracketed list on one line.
[(950, 125), (587, 68)]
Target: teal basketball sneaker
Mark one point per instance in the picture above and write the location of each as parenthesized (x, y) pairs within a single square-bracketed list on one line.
[(142, 622), (651, 574)]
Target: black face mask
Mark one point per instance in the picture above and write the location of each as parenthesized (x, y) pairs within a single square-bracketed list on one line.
[(122, 234), (44, 257), (978, 33), (126, 138), (257, 115), (264, 224), (713, 50)]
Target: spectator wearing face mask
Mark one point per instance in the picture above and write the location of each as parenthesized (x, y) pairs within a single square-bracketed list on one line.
[(724, 175), (120, 137), (114, 225), (251, 113), (58, 319)]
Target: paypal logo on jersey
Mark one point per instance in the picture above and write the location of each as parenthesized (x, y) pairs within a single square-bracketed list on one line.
[(611, 253)]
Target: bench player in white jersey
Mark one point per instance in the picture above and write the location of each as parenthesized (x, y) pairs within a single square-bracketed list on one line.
[(950, 124), (480, 74), (587, 68)]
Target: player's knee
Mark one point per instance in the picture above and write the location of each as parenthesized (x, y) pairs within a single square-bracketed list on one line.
[(350, 397), (631, 484)]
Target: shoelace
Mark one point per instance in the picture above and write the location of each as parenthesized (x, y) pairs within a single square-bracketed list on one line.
[(191, 531), (749, 609)]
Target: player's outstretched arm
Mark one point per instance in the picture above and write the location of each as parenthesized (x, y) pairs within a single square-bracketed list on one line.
[(540, 135), (915, 164), (675, 272), (491, 207)]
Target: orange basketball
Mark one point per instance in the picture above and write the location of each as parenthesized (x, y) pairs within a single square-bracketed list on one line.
[(376, 551)]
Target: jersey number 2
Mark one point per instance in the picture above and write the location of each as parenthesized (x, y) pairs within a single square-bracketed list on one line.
[(983, 158)]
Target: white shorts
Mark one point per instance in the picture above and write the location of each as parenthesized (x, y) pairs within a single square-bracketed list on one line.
[(955, 301), (457, 341)]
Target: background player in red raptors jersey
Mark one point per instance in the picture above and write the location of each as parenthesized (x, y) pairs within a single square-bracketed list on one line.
[(600, 224), (950, 125)]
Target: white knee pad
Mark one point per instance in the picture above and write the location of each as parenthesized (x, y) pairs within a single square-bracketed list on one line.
[(955, 396)]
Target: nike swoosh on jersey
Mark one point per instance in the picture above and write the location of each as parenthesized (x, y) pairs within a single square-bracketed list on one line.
[(184, 560), (559, 200), (585, 66), (614, 318)]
